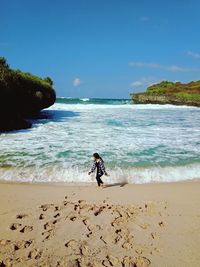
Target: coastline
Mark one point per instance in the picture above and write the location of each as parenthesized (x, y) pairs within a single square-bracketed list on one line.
[(159, 224), (94, 183)]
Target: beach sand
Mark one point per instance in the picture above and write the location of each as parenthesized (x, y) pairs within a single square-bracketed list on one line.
[(120, 225)]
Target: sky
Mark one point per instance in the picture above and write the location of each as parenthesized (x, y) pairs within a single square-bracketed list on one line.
[(102, 48)]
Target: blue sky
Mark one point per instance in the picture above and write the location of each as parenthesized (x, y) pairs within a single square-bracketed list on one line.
[(102, 48)]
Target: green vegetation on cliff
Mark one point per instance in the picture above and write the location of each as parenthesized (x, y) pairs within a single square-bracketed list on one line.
[(21, 95), (170, 93)]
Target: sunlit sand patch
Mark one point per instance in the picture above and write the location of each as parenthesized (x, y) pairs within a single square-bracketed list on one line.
[(82, 233)]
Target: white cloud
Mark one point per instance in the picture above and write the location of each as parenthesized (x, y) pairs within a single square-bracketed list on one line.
[(77, 82), (193, 54), (136, 84), (145, 81), (172, 68), (144, 65)]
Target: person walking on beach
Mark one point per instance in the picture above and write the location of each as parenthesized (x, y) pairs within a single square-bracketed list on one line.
[(99, 165)]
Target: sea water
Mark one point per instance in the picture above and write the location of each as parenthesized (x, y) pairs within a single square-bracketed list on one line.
[(139, 143)]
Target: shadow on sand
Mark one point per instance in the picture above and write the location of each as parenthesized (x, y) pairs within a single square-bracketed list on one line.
[(115, 184)]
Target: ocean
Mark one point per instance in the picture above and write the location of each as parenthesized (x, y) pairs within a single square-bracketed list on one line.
[(139, 143)]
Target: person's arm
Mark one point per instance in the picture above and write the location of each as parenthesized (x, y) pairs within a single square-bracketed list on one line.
[(93, 168), (102, 166)]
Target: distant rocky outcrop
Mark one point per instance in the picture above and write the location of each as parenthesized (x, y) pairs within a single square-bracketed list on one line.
[(22, 95), (170, 93)]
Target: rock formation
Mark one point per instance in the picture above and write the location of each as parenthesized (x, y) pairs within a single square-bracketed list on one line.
[(170, 93), (22, 95)]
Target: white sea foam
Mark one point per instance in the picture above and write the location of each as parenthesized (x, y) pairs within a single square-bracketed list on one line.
[(84, 99), (127, 106), (139, 143), (75, 175)]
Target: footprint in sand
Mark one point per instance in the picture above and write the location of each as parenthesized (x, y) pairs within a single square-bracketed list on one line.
[(2, 264), (42, 216), (155, 235), (15, 226), (89, 234), (122, 235), (93, 227), (71, 243), (125, 238), (26, 229), (27, 243), (65, 203), (48, 235), (127, 244), (85, 222), (135, 262), (81, 201), (84, 250), (98, 211), (9, 245), (118, 221), (72, 216), (73, 247), (106, 239), (161, 224), (46, 207), (16, 247), (35, 254), (50, 225), (56, 215), (22, 244), (21, 216), (77, 208), (57, 208), (144, 225), (7, 262), (129, 240), (139, 251), (110, 261), (4, 242), (142, 262)]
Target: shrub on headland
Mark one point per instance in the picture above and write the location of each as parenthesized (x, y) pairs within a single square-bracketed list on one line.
[(172, 88), (170, 93), (21, 95)]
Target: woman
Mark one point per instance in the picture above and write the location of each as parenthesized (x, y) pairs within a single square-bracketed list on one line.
[(99, 165)]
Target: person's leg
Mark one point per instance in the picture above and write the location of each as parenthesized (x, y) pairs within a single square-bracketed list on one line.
[(99, 181)]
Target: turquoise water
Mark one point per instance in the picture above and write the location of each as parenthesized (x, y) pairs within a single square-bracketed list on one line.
[(139, 143), (87, 101)]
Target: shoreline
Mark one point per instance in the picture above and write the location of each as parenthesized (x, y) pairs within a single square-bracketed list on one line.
[(145, 224), (83, 184)]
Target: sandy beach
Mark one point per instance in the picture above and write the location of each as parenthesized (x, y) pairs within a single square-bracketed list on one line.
[(120, 225)]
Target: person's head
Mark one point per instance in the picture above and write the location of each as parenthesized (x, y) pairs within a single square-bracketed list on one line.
[(96, 156)]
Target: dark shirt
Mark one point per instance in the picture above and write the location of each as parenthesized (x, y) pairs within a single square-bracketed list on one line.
[(100, 167)]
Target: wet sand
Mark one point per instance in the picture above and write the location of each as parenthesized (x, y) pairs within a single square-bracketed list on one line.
[(120, 225)]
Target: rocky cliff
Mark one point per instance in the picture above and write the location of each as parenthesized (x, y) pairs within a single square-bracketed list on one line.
[(170, 93), (22, 95)]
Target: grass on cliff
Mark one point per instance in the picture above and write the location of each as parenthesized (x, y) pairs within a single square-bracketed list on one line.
[(189, 91), (6, 74), (188, 97), (22, 91)]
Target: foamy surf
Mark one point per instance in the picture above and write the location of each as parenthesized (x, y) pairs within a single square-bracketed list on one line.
[(85, 99), (75, 175), (139, 143)]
